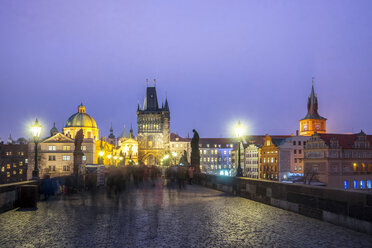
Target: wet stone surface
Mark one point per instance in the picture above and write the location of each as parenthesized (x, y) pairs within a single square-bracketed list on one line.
[(161, 217)]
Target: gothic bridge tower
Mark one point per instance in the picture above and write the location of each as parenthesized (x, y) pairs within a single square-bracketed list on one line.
[(312, 122), (153, 128)]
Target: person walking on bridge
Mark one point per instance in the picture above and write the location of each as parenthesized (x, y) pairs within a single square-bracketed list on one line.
[(191, 174)]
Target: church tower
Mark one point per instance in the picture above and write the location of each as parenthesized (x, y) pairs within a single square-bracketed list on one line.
[(312, 122), (153, 128)]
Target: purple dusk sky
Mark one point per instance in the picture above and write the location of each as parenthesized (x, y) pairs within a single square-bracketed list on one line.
[(218, 62)]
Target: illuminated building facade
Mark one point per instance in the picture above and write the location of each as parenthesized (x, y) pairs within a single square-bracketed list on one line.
[(13, 162), (215, 155), (340, 160), (179, 145), (269, 158), (291, 157), (312, 122), (251, 160), (81, 120), (153, 129), (56, 154)]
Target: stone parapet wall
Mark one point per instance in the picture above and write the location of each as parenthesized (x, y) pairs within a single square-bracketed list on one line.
[(10, 195), (352, 209)]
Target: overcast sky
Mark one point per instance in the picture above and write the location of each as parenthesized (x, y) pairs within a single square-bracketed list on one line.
[(217, 61)]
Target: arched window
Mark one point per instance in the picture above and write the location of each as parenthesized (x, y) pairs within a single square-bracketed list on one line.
[(369, 184), (362, 184), (346, 184), (363, 167), (355, 167), (355, 184)]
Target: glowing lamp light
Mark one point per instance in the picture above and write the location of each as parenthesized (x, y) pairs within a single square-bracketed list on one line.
[(101, 153), (109, 156), (115, 157), (36, 129), (239, 130), (166, 157), (121, 158), (174, 154), (221, 173)]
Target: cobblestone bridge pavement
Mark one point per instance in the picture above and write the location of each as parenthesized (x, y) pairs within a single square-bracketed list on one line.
[(159, 217)]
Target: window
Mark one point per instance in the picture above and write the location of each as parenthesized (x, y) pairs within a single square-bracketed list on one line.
[(346, 184), (304, 143), (294, 142), (362, 184), (272, 160), (2, 169), (295, 168), (20, 163), (355, 167), (52, 148), (299, 143), (317, 126), (14, 172), (207, 145), (26, 160), (299, 168), (355, 184), (224, 152), (84, 158), (305, 127), (14, 165), (66, 158), (8, 174), (52, 158), (295, 151), (299, 151), (20, 171), (8, 166), (295, 160), (83, 148), (363, 167), (369, 184), (66, 148), (268, 143), (9, 153)]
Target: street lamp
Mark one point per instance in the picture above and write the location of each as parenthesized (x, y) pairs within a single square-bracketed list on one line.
[(239, 134), (115, 159), (100, 158), (109, 158), (36, 131)]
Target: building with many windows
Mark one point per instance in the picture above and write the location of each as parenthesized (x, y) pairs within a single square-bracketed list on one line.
[(56, 154), (340, 160), (269, 157), (215, 155), (13, 162), (291, 158)]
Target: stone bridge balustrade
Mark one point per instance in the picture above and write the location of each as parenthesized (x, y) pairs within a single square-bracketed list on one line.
[(352, 209)]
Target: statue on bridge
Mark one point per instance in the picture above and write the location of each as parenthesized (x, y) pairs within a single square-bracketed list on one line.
[(195, 152)]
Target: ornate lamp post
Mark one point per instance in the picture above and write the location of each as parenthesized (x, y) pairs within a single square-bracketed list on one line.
[(239, 134), (36, 131)]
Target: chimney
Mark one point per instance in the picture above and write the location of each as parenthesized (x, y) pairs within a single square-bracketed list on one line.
[(296, 132)]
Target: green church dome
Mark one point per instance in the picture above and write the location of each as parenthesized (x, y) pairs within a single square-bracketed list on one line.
[(81, 119)]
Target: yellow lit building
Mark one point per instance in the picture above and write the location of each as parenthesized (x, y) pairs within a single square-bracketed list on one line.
[(312, 122), (81, 120)]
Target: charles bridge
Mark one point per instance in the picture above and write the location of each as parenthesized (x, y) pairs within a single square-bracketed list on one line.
[(214, 213)]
